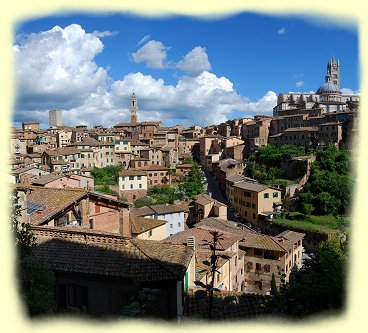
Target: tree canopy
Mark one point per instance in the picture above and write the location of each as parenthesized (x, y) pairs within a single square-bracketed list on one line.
[(318, 287), (329, 187)]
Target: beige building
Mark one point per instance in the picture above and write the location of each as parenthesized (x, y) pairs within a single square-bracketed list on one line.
[(157, 175), (132, 184), (251, 199), (255, 133), (205, 206), (147, 228), (211, 146), (64, 138), (230, 269), (267, 255)]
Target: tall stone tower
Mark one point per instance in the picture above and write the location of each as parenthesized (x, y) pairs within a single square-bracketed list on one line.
[(55, 118), (133, 109), (333, 70)]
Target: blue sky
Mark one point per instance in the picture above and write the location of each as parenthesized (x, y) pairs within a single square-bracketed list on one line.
[(183, 70)]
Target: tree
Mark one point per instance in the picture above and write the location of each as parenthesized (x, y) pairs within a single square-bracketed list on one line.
[(36, 279), (274, 290), (37, 288), (308, 208), (318, 287), (23, 237)]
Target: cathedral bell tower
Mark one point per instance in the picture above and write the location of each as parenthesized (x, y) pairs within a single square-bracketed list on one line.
[(333, 70), (133, 109)]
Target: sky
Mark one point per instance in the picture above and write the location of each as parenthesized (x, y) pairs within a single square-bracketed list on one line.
[(184, 70)]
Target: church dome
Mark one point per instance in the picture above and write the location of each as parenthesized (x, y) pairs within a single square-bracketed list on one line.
[(327, 88)]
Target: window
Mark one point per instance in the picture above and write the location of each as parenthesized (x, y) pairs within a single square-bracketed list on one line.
[(150, 233), (131, 177), (123, 187), (266, 196), (140, 185), (77, 296), (171, 225), (267, 268), (139, 177), (258, 266), (179, 224), (155, 174), (122, 178), (275, 194), (249, 265), (131, 185)]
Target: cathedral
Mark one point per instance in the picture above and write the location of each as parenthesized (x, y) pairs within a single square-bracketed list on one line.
[(328, 96)]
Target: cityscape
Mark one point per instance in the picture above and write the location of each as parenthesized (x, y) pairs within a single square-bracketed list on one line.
[(216, 215)]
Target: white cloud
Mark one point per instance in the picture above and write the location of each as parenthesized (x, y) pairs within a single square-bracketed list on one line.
[(152, 53), (107, 33), (202, 99), (263, 105), (56, 68), (348, 91), (281, 31), (299, 84), (195, 61), (144, 39)]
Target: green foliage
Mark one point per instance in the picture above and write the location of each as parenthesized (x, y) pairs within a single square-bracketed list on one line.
[(329, 187), (193, 183), (108, 175), (325, 224), (161, 194), (274, 290), (106, 189), (318, 287), (37, 286), (264, 163), (188, 161), (23, 236), (308, 208), (145, 201)]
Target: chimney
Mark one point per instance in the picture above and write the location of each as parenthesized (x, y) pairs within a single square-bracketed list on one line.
[(125, 225), (191, 242)]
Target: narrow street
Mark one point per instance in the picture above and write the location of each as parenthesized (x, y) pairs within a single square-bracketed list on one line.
[(214, 189)]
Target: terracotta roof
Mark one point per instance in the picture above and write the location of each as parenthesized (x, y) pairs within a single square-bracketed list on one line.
[(202, 238), (133, 172), (142, 211), (238, 178), (204, 199), (259, 241), (165, 209), (251, 186), (288, 238), (220, 224), (54, 200), (143, 224), (153, 167), (62, 151), (45, 179), (90, 252), (22, 169)]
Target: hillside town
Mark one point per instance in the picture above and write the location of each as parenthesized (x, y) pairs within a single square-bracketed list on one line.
[(141, 219)]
